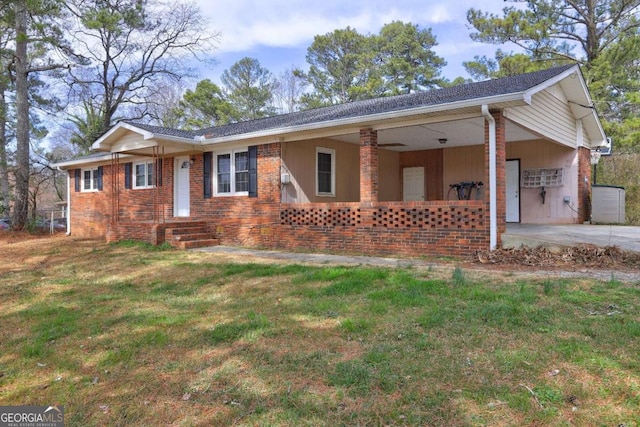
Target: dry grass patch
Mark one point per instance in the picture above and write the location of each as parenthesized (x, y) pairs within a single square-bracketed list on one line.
[(130, 335)]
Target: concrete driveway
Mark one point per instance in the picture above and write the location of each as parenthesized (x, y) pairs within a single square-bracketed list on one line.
[(533, 235)]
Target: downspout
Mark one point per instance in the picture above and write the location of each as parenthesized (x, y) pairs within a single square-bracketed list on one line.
[(68, 233), (493, 199)]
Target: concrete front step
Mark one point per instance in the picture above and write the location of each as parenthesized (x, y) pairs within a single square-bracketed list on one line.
[(191, 244), (191, 236), (170, 232)]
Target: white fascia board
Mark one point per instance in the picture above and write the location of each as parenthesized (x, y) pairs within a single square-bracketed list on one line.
[(367, 120), (120, 125), (552, 81), (601, 137), (84, 162), (146, 135), (171, 138), (132, 145)]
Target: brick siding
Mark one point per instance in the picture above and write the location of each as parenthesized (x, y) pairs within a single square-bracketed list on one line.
[(368, 166), (442, 228), (584, 184)]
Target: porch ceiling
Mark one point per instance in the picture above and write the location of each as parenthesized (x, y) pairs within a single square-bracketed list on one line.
[(458, 133)]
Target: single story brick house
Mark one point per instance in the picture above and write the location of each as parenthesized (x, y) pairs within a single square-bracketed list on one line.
[(370, 177)]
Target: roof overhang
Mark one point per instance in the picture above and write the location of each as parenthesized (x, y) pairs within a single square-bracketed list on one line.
[(87, 161), (130, 139), (577, 93)]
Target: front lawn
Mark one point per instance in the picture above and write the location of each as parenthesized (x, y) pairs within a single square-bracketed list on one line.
[(128, 335)]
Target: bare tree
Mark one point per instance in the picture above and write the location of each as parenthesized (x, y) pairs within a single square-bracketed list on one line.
[(162, 104), (288, 89), (128, 46)]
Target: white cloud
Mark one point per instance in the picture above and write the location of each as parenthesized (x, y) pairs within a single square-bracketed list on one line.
[(285, 23), (260, 28)]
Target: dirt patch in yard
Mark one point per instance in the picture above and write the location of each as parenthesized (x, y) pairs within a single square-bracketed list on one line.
[(22, 249)]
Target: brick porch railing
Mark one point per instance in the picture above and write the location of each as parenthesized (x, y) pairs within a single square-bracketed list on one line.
[(403, 228)]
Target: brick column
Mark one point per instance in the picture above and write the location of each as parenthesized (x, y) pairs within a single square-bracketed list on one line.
[(368, 166), (584, 184), (501, 164)]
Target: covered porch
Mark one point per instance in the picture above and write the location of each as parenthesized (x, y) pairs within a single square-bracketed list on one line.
[(394, 187)]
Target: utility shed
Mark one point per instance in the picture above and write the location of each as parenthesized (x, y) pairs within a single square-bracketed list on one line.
[(608, 204)]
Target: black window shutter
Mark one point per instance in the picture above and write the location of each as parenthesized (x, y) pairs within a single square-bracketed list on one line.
[(77, 179), (159, 172), (99, 178), (253, 171), (127, 175), (207, 159)]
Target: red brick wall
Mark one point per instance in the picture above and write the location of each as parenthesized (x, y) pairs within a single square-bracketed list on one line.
[(445, 228), (92, 212), (243, 220), (368, 166), (584, 184)]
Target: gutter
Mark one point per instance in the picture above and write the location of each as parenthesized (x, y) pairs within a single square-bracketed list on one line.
[(493, 199)]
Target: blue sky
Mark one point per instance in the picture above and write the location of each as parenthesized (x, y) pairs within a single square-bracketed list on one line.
[(278, 32)]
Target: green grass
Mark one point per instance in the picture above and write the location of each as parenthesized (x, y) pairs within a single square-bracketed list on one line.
[(177, 338)]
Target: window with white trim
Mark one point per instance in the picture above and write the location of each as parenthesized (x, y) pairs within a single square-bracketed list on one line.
[(143, 175), (231, 173), (325, 172), (90, 179)]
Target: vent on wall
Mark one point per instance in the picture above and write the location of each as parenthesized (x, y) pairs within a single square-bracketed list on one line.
[(532, 178)]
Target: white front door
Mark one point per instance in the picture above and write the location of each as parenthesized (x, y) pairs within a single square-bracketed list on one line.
[(513, 190), (413, 184), (181, 200)]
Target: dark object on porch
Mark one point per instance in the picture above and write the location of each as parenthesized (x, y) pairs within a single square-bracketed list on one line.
[(463, 190)]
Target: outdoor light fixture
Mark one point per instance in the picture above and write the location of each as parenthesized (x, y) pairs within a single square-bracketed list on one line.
[(442, 140)]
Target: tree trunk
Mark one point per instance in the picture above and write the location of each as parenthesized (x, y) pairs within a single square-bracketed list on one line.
[(4, 167), (21, 206)]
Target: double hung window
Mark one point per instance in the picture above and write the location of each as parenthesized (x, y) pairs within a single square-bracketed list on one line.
[(232, 173), (90, 179), (325, 172), (143, 175)]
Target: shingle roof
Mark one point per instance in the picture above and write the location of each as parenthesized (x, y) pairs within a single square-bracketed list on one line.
[(164, 131), (465, 92)]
